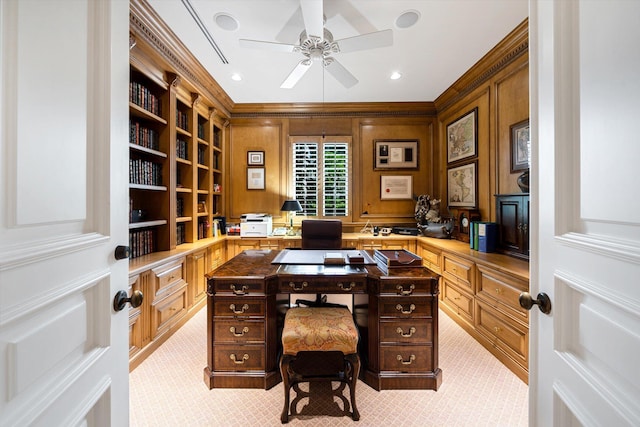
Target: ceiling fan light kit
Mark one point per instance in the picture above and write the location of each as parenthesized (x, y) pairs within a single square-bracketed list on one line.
[(320, 49)]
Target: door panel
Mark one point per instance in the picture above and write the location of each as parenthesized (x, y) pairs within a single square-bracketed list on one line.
[(586, 240), (63, 210)]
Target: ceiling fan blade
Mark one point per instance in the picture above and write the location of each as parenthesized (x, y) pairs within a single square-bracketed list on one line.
[(341, 74), (366, 41), (258, 44), (295, 75), (312, 12)]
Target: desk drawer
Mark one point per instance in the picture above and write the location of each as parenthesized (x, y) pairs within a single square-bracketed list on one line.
[(409, 358), (238, 331), (239, 307), (323, 285), (406, 287), (239, 287), (406, 331), (459, 271), (235, 357), (458, 301), (405, 307)]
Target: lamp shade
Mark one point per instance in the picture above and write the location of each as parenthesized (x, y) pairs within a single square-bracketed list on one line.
[(291, 206)]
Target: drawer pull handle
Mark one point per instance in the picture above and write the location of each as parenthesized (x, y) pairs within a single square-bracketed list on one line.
[(401, 290), (411, 359), (412, 331), (497, 329), (293, 286), (238, 334), (241, 291), (401, 309), (244, 308), (245, 357), (351, 286), (498, 291)]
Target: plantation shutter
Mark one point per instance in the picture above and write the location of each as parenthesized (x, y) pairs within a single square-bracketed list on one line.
[(321, 177)]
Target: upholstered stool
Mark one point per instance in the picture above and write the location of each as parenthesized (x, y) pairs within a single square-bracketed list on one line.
[(325, 332)]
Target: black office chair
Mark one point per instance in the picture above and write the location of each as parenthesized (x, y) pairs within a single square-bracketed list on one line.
[(321, 234)]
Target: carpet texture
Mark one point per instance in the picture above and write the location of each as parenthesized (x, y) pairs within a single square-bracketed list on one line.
[(168, 389)]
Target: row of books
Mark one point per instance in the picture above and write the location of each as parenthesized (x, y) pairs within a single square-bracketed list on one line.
[(483, 236), (141, 242), (143, 97), (203, 228), (181, 120), (201, 130), (145, 172), (201, 155), (143, 136), (182, 149), (180, 206), (181, 234)]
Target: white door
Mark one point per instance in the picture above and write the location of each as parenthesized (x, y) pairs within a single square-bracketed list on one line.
[(585, 109), (63, 211)]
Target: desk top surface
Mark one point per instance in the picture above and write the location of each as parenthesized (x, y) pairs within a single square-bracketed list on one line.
[(259, 263)]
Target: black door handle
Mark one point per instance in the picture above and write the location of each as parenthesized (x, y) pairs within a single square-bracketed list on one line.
[(543, 302), (122, 252), (121, 299)]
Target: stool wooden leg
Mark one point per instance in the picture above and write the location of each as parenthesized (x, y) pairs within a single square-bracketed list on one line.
[(284, 372), (354, 360)]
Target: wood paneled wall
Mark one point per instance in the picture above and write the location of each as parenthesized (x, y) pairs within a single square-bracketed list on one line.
[(498, 86)]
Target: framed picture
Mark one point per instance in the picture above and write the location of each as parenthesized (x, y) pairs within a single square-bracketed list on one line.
[(462, 185), (520, 146), (395, 154), (462, 137), (255, 178), (396, 187), (255, 158)]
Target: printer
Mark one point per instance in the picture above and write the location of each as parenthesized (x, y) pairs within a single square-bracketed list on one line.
[(255, 225)]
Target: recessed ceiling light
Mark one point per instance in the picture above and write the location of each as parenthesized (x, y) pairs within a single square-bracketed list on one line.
[(226, 21), (395, 75), (236, 77), (407, 19)]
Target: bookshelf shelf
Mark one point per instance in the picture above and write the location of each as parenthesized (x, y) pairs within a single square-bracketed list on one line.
[(145, 224), (147, 187), (138, 111), (184, 219), (146, 150)]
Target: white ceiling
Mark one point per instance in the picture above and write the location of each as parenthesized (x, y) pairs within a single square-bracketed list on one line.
[(449, 37)]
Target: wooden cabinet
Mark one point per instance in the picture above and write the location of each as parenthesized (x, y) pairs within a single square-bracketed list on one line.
[(371, 243), (431, 256), (198, 266), (169, 300), (480, 292), (512, 215), (238, 245)]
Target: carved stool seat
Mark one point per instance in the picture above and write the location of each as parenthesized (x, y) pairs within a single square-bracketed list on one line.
[(324, 332)]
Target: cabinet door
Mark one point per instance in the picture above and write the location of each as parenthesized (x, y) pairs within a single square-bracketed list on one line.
[(512, 213), (197, 269)]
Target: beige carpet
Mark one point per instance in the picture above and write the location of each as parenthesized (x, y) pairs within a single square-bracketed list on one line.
[(168, 389)]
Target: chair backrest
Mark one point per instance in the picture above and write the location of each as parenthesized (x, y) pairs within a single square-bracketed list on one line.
[(321, 234)]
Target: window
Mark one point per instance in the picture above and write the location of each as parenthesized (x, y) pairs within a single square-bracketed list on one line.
[(321, 175)]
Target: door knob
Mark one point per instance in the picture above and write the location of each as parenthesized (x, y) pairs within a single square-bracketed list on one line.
[(122, 252), (543, 302), (121, 299)]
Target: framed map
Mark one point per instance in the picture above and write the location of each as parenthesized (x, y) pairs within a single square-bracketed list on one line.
[(462, 185), (462, 137)]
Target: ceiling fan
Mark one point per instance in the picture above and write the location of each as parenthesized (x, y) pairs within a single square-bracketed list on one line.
[(316, 44)]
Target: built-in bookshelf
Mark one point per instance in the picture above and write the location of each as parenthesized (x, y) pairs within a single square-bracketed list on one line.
[(148, 164), (175, 162)]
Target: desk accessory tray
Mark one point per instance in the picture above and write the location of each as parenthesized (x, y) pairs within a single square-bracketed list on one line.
[(396, 258)]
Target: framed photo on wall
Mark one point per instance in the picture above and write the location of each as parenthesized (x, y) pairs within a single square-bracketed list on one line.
[(462, 137), (462, 185), (255, 158), (396, 187), (255, 179), (520, 146), (395, 154)]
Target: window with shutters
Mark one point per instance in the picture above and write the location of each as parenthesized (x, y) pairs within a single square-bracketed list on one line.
[(321, 175)]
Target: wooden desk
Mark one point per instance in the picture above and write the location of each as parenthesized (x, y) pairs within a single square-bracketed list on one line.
[(396, 313)]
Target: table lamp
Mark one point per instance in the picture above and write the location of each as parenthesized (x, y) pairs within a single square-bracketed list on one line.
[(290, 206)]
